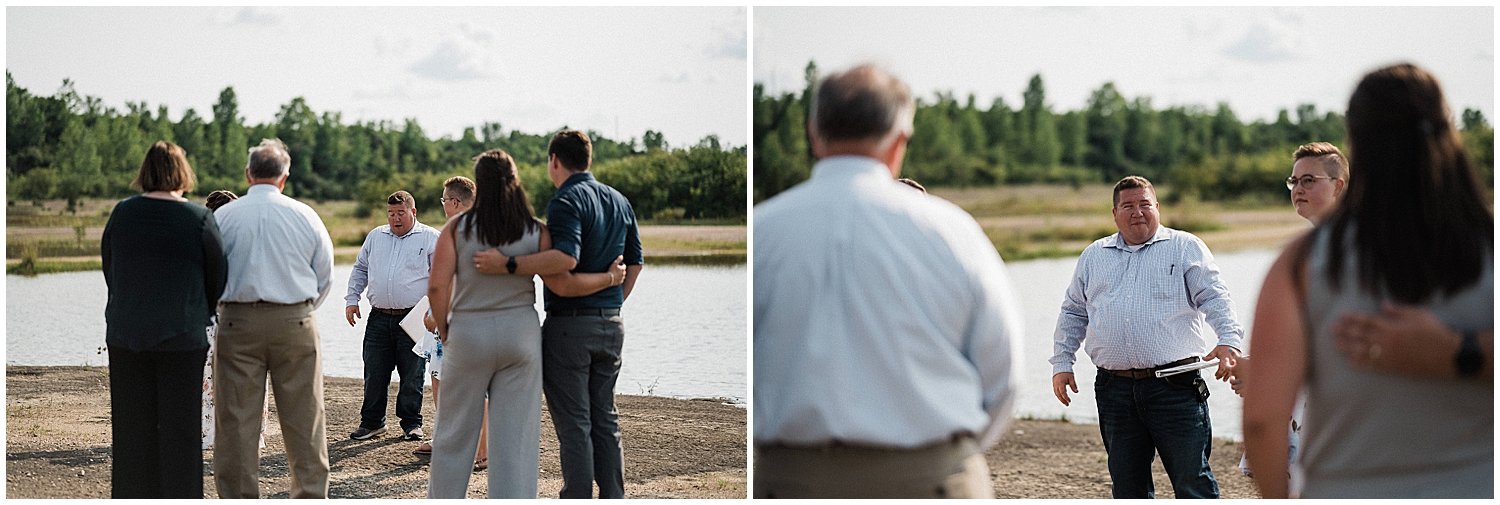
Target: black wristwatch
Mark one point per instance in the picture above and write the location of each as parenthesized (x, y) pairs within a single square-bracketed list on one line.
[(510, 265), (1469, 359)]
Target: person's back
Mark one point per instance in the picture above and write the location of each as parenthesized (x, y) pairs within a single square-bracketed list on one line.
[(878, 267), (1420, 437), (473, 291), (267, 224), (606, 223), (156, 260), (884, 320)]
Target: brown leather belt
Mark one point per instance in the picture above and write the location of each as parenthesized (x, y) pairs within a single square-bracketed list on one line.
[(1147, 373)]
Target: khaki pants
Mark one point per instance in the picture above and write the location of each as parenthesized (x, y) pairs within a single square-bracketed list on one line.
[(255, 339), (949, 469)]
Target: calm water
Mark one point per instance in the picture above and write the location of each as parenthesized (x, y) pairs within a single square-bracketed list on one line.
[(684, 328), (1040, 285)]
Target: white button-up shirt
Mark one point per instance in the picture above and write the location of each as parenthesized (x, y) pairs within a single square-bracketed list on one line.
[(278, 249), (1143, 308), (394, 268), (883, 316)]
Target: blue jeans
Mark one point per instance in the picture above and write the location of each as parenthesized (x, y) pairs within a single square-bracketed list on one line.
[(1141, 417), (387, 347), (580, 364)]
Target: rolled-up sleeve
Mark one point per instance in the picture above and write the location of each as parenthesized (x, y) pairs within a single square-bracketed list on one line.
[(566, 228)]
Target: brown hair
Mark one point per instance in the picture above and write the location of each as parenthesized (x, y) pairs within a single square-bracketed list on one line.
[(1425, 225), (165, 169), (461, 187), (862, 103), (572, 148), (401, 197), (1132, 182), (501, 213), (1334, 162), (219, 198)]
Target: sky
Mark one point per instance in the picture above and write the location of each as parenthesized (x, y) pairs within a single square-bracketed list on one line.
[(619, 71), (1257, 59)]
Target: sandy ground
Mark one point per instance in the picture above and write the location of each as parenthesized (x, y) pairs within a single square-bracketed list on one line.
[(58, 445)]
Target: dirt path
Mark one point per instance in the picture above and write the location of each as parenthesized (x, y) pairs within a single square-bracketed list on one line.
[(58, 445)]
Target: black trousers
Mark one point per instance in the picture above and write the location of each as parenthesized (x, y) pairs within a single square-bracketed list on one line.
[(387, 348), (156, 411)]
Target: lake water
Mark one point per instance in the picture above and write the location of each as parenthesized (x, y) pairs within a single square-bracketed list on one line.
[(1040, 285), (685, 328)]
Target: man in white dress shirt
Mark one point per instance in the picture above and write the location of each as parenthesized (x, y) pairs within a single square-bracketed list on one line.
[(393, 264), (280, 270), (885, 326), (1141, 297)]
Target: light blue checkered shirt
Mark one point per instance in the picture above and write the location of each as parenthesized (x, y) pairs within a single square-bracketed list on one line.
[(1143, 308)]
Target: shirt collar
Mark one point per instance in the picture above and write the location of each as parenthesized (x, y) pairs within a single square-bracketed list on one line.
[(1118, 242), (577, 178), (262, 188), (849, 167)]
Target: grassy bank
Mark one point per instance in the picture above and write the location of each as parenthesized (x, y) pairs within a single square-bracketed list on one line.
[(44, 237), (1045, 221)]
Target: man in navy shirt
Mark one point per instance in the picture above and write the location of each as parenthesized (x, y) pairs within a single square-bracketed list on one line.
[(591, 224)]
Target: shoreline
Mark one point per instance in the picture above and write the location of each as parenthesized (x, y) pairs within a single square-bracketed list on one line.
[(58, 444), (58, 447)]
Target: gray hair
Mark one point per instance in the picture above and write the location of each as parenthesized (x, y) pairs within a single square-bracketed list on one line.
[(269, 160), (862, 103)]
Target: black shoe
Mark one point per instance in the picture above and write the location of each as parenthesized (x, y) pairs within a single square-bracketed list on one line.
[(364, 433), (413, 434)]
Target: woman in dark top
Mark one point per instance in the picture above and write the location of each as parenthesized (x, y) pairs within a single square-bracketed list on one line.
[(165, 269)]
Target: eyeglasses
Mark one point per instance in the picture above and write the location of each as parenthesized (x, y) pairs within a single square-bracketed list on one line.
[(1306, 181), (446, 200)]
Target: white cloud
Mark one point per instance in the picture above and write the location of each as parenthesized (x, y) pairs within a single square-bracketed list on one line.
[(254, 16), (1277, 39), (463, 56)]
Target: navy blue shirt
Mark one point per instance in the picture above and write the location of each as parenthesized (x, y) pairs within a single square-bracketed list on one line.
[(593, 223)]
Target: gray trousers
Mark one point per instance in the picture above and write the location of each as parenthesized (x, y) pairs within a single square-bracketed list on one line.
[(498, 353), (580, 364)]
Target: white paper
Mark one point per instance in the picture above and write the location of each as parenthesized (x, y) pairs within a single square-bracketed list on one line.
[(1199, 365), (412, 323)]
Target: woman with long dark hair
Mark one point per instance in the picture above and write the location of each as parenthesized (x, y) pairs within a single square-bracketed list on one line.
[(1414, 231), (164, 266), (492, 341)]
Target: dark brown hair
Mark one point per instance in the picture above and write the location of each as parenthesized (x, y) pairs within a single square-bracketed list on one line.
[(401, 197), (165, 169), (862, 103), (461, 187), (501, 213), (1416, 212), (219, 198), (1334, 162), (1132, 182), (573, 149)]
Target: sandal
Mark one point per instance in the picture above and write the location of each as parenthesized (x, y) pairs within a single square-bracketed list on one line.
[(482, 465), (423, 450)]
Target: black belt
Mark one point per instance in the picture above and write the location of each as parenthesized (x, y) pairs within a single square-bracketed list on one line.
[(583, 312), (394, 312), (1148, 373)]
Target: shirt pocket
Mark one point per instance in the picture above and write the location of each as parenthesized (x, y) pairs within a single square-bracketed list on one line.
[(1167, 283)]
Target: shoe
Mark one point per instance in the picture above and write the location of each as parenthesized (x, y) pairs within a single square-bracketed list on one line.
[(482, 465), (423, 450), (364, 433), (413, 434)]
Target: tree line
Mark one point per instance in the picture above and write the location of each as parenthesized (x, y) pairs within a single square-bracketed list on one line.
[(72, 146), (1207, 153)]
